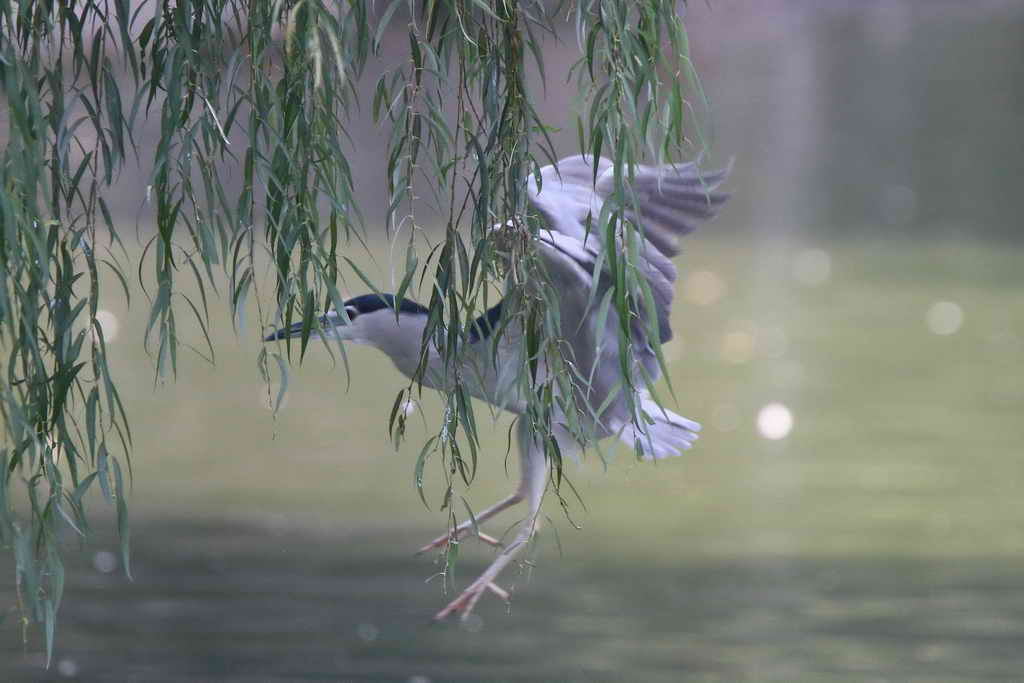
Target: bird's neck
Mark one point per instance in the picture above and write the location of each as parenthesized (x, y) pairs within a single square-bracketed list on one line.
[(399, 338), (402, 341)]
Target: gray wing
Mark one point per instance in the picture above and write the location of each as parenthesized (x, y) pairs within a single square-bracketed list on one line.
[(667, 202)]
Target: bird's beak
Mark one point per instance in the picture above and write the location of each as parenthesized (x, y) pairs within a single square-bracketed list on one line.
[(327, 322), (285, 332)]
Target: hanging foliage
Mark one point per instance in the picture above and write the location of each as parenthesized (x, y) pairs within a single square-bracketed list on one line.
[(267, 88)]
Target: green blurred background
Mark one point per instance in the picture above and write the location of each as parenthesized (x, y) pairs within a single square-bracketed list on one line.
[(850, 331)]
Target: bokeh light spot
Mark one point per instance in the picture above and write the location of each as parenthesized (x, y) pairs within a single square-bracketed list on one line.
[(737, 346), (774, 421), (704, 288), (945, 317), (68, 668), (108, 323), (104, 562)]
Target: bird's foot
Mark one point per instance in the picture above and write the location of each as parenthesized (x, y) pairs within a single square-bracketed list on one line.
[(468, 598), (455, 537)]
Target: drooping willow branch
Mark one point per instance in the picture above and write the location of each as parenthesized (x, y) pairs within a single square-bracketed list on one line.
[(260, 94)]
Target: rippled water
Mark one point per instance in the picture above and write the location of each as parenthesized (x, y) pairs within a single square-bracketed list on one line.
[(878, 537), (852, 512), (242, 603)]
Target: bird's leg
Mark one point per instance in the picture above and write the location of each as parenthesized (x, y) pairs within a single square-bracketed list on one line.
[(531, 487), (461, 530)]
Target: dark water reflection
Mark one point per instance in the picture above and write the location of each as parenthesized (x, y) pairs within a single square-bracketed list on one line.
[(233, 603)]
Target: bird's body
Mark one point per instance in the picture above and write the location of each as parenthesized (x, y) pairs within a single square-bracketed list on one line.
[(667, 203)]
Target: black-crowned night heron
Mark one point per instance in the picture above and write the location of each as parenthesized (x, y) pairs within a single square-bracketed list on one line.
[(667, 202)]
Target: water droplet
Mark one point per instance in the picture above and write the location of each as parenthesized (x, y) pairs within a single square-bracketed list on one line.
[(774, 421), (812, 267), (945, 317)]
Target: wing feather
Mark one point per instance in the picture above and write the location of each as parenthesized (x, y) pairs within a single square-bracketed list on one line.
[(668, 202)]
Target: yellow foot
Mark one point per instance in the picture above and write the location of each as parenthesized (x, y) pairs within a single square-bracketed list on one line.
[(459, 534), (468, 598)]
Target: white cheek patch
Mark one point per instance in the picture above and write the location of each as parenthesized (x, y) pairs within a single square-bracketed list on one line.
[(344, 332)]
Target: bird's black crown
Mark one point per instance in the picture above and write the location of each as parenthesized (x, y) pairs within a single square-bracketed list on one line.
[(368, 303)]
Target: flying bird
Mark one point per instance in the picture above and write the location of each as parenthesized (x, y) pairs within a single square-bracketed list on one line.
[(667, 202)]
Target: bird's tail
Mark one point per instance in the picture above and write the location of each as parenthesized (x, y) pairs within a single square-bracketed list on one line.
[(661, 433)]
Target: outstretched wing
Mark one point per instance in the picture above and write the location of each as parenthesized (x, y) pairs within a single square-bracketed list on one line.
[(665, 203)]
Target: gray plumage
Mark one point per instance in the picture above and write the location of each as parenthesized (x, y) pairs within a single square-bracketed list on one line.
[(667, 202), (664, 203)]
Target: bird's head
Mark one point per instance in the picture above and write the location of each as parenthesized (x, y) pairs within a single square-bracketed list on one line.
[(369, 319)]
